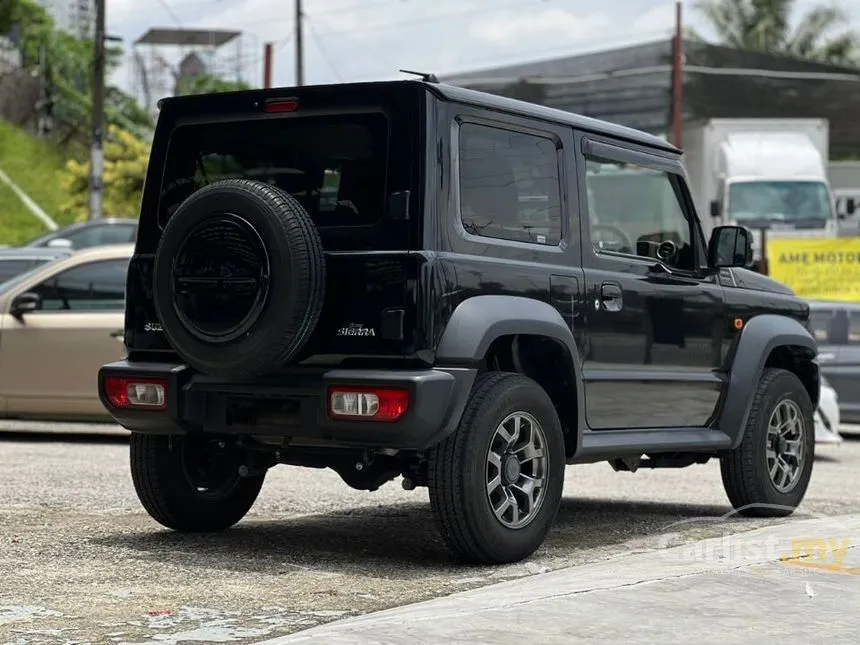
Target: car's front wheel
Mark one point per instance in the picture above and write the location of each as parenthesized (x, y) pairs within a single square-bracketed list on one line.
[(768, 474), (496, 483), (191, 484)]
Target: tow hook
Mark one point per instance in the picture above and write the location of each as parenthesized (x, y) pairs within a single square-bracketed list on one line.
[(250, 471), (257, 464)]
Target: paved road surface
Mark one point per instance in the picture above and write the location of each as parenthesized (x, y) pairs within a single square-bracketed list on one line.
[(83, 564)]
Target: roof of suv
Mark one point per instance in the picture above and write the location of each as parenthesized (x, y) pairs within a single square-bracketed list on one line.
[(495, 102), (472, 97)]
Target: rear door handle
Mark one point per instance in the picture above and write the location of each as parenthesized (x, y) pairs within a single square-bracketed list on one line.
[(611, 297), (119, 333)]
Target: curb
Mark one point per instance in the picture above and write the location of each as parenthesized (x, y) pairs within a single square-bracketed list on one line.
[(733, 553)]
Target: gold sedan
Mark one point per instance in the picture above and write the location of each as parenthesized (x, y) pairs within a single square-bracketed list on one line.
[(59, 324)]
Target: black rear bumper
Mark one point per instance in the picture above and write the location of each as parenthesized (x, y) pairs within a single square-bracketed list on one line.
[(293, 404)]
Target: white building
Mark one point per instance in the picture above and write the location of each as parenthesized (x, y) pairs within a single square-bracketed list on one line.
[(74, 16)]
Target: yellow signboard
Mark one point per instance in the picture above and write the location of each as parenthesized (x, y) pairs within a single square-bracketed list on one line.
[(817, 268)]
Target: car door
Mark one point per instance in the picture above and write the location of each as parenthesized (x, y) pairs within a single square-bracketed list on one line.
[(839, 356), (49, 358), (654, 315)]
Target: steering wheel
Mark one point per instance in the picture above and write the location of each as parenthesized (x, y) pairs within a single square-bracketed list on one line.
[(621, 241)]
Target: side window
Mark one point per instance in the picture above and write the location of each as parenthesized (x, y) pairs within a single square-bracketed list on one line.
[(97, 286), (100, 235), (637, 211), (854, 327), (509, 185), (820, 324)]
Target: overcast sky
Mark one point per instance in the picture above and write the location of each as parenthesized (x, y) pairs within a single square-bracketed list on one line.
[(349, 40)]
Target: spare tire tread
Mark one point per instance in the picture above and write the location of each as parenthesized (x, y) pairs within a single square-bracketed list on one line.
[(306, 259)]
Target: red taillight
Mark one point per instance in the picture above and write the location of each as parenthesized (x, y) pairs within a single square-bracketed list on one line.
[(369, 403), (282, 105), (144, 393)]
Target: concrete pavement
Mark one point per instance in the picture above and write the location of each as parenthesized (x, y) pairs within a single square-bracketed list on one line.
[(742, 588)]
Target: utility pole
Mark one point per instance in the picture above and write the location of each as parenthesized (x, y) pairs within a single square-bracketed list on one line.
[(300, 52), (267, 65), (97, 158), (678, 79)]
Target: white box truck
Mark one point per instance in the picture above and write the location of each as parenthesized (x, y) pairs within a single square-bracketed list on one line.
[(764, 174)]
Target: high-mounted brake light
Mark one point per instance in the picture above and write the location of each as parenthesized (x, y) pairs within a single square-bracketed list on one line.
[(282, 105), (143, 393), (368, 403)]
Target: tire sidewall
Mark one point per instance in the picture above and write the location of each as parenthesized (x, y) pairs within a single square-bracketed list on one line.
[(281, 300), (784, 385), (520, 397)]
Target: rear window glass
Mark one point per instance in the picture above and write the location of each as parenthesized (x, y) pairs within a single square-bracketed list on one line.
[(835, 326), (334, 165)]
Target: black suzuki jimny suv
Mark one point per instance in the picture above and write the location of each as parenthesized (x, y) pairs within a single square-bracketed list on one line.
[(407, 279)]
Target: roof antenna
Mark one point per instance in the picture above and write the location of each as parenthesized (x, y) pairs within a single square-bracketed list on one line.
[(427, 77)]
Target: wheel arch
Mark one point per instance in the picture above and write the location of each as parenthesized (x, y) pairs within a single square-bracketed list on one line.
[(518, 334), (766, 341)]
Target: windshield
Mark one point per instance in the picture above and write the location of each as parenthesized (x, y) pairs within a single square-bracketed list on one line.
[(8, 285), (787, 201)]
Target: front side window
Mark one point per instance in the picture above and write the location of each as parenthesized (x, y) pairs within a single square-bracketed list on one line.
[(509, 185), (637, 211), (96, 286)]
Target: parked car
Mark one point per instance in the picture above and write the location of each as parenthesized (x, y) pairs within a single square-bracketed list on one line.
[(15, 261), (59, 323), (827, 418), (836, 327), (100, 232), (449, 314)]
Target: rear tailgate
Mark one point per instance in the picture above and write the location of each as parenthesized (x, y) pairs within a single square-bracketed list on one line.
[(349, 153)]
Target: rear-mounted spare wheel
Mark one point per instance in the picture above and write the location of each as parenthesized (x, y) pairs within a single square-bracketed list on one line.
[(239, 279)]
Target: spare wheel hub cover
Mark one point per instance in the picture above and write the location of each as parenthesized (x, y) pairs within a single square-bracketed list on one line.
[(220, 278)]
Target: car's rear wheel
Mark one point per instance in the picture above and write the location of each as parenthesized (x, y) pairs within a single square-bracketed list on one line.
[(768, 474), (496, 483), (191, 484)]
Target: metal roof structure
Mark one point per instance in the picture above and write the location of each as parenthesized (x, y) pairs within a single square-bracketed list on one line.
[(632, 86), (187, 37)]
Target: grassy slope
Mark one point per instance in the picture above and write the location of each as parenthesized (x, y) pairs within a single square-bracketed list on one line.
[(36, 166)]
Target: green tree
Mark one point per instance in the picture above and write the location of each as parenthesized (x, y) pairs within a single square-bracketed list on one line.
[(68, 73), (126, 159), (770, 26), (208, 84)]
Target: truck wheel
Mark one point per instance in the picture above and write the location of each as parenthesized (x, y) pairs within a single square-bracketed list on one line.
[(191, 484), (768, 474), (496, 483)]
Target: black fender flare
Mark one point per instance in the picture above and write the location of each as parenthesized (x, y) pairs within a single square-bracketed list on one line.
[(480, 320), (759, 337)]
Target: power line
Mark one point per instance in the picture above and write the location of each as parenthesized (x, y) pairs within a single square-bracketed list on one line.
[(323, 52), (431, 18), (169, 10), (657, 69)]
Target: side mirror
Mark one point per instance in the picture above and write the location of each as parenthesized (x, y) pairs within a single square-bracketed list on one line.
[(730, 246), (59, 243), (850, 206), (715, 208), (25, 303)]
